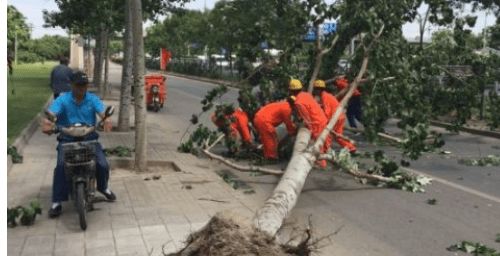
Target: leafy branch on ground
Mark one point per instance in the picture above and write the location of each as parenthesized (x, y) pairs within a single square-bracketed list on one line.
[(196, 140), (16, 157), (491, 160), (229, 180), (498, 238), (386, 173), (120, 151), (27, 214), (432, 201), (477, 249)]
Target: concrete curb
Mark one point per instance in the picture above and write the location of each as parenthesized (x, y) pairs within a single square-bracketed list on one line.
[(129, 163), (9, 162), (27, 133), (198, 78), (469, 130)]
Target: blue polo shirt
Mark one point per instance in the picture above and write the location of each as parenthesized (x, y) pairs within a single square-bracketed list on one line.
[(69, 112)]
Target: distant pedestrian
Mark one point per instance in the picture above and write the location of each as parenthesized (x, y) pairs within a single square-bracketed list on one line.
[(60, 78), (9, 65), (354, 106)]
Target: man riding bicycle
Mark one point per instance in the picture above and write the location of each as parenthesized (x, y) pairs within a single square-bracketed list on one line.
[(77, 106)]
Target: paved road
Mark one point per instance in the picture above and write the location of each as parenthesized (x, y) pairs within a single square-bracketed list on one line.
[(375, 221)]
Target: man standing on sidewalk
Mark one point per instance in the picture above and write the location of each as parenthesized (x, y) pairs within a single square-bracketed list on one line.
[(60, 78)]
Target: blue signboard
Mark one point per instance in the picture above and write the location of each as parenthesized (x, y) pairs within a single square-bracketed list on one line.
[(264, 45), (329, 28), (195, 45), (311, 35), (223, 51)]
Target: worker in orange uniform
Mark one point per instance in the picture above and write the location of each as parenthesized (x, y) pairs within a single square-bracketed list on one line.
[(239, 125), (354, 106), (311, 113), (330, 104), (265, 121)]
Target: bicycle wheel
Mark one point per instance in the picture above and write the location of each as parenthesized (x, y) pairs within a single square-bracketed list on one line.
[(80, 205)]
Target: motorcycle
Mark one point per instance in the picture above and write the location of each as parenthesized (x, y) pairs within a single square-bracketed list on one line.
[(79, 164), (155, 91)]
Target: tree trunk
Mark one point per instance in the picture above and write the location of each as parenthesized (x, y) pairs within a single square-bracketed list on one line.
[(106, 69), (97, 57), (125, 97), (271, 215), (140, 101)]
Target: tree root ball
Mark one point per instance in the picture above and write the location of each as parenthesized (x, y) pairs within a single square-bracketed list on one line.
[(229, 234)]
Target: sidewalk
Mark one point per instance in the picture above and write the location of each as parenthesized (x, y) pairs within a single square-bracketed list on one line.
[(148, 213)]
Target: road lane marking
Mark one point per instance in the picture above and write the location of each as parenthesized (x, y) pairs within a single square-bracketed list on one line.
[(454, 185), (191, 95)]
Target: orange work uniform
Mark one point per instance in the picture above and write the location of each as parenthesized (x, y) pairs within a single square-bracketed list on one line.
[(330, 105), (266, 119), (239, 126), (341, 84), (314, 119)]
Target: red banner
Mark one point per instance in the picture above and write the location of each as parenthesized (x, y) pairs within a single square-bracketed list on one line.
[(164, 58)]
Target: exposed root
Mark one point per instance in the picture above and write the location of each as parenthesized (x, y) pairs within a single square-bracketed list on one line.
[(227, 233)]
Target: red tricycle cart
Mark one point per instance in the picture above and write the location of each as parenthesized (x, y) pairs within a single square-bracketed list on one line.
[(156, 91)]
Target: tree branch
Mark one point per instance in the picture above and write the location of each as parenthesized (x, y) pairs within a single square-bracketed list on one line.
[(319, 57), (240, 167), (355, 172), (321, 139)]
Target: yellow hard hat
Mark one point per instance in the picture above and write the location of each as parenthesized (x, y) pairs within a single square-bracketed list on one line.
[(319, 84), (295, 84)]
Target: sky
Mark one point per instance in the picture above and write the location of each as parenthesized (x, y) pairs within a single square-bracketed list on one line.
[(32, 10)]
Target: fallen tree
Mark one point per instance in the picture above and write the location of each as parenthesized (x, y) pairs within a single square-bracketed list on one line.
[(369, 22)]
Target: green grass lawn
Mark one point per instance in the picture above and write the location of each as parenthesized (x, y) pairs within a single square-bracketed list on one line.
[(31, 86)]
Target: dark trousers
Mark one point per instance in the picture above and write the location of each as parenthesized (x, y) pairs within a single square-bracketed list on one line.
[(61, 186), (354, 111)]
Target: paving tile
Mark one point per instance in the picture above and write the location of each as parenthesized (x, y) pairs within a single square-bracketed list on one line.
[(123, 221), (38, 245), (99, 243), (155, 243), (101, 251), (153, 230), (15, 245), (118, 233), (130, 245), (100, 234)]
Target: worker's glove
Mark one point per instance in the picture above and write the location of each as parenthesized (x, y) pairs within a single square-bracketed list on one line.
[(107, 125)]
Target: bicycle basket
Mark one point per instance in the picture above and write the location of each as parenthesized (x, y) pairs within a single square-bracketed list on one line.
[(79, 152)]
